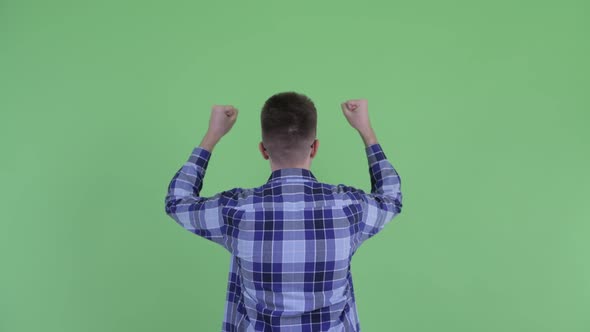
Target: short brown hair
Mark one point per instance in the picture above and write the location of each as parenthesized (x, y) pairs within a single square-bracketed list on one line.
[(288, 121)]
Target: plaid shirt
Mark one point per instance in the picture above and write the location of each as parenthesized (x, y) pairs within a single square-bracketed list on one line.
[(291, 241)]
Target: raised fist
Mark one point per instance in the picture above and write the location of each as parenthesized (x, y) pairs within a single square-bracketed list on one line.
[(357, 113), (222, 120)]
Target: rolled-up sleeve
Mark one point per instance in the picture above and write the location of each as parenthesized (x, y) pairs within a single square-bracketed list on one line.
[(385, 200), (183, 203)]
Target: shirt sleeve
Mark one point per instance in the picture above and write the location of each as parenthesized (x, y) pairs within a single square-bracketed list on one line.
[(197, 214), (385, 200)]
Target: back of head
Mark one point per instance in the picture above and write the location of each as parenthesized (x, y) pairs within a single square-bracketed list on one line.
[(288, 121)]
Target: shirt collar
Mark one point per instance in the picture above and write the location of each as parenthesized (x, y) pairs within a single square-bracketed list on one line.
[(292, 175)]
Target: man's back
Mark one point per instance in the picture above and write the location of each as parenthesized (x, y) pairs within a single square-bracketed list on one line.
[(291, 241)]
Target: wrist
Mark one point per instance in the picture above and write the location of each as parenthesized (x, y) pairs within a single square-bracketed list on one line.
[(209, 141), (368, 136)]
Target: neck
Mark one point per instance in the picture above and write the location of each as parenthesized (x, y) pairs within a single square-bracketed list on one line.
[(276, 166)]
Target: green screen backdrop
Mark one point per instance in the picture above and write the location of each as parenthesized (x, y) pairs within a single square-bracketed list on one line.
[(482, 107)]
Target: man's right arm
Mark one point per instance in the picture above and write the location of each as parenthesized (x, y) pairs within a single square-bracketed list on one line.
[(385, 200)]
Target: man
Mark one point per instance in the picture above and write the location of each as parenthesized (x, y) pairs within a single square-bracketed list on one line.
[(291, 239)]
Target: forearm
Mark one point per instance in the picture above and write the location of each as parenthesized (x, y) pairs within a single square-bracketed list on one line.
[(385, 200), (368, 136), (193, 171), (384, 178), (184, 203), (188, 180), (209, 141)]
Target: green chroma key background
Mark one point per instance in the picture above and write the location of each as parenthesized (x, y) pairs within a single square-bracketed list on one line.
[(482, 106)]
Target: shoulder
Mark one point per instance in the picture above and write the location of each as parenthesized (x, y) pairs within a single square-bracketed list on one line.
[(346, 191), (234, 195)]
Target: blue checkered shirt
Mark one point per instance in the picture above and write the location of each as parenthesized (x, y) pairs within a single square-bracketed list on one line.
[(291, 241)]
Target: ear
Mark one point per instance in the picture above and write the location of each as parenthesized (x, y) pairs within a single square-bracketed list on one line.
[(263, 151), (314, 148)]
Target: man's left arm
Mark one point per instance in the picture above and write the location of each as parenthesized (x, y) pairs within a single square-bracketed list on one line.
[(183, 203)]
